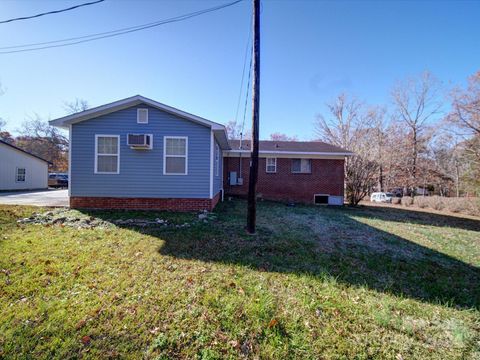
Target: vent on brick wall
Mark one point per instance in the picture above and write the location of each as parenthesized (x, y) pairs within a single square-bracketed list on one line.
[(320, 199)]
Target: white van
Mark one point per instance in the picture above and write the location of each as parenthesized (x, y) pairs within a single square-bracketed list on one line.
[(381, 197)]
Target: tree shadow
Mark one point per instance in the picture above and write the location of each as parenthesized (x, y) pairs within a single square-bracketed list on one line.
[(330, 242), (398, 214)]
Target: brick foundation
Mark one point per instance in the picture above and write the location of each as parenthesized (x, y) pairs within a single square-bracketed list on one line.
[(184, 205), (327, 177)]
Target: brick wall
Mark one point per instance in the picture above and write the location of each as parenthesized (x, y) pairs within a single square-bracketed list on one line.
[(77, 202), (327, 177)]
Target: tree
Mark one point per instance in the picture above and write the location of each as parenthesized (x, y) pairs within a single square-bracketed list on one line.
[(43, 140), (466, 106), (416, 102), (234, 131), (347, 126), (465, 117), (73, 107), (282, 137)]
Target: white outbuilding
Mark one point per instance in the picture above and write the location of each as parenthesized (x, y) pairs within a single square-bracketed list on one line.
[(20, 170)]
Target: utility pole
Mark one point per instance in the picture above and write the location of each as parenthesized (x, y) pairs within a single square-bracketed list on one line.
[(252, 179)]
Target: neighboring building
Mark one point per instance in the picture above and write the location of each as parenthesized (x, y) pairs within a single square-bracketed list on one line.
[(20, 170), (137, 153), (295, 171)]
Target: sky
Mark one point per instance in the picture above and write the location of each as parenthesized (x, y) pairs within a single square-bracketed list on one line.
[(310, 52)]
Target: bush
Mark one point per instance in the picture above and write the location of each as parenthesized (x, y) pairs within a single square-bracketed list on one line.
[(463, 205), (396, 201), (407, 201)]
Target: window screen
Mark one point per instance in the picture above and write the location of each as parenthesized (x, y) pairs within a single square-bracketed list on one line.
[(20, 175), (271, 166), (107, 154), (175, 156), (302, 166)]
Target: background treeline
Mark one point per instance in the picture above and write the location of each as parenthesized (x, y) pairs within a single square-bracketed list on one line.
[(425, 141)]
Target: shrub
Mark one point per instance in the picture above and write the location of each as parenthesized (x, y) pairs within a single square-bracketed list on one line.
[(407, 201), (396, 201)]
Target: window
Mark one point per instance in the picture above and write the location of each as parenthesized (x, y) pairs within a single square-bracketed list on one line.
[(175, 155), (301, 166), (107, 154), (142, 116), (271, 165), (217, 160), (20, 175)]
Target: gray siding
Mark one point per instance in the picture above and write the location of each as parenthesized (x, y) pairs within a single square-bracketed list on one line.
[(141, 171), (217, 179), (36, 170)]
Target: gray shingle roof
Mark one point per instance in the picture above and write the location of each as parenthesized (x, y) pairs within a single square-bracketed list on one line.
[(289, 146)]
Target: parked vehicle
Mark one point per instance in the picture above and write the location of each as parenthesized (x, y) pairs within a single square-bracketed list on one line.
[(58, 180), (381, 197)]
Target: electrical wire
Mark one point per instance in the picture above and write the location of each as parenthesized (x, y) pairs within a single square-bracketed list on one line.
[(112, 33), (51, 12), (248, 89), (243, 73)]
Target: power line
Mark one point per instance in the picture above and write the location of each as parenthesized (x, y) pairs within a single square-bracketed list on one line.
[(248, 88), (112, 33), (243, 73), (51, 12)]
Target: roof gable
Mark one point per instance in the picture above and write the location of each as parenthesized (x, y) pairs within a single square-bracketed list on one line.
[(64, 122), (23, 151)]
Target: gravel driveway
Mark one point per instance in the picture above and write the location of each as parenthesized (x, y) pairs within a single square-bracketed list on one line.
[(37, 198)]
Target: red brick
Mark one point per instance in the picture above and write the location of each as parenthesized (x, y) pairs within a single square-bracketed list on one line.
[(327, 177), (83, 202)]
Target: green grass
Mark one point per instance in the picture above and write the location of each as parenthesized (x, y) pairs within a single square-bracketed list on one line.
[(315, 282)]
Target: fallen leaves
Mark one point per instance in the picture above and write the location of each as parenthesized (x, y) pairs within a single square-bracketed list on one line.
[(86, 340)]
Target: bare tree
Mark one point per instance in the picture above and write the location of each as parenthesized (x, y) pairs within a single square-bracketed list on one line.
[(345, 123), (347, 126), (466, 106), (416, 103), (46, 141), (282, 137), (72, 107), (235, 131)]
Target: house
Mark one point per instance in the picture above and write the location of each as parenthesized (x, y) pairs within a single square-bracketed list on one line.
[(295, 171), (21, 170), (137, 153)]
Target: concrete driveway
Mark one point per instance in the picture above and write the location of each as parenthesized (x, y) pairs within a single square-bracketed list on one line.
[(37, 198)]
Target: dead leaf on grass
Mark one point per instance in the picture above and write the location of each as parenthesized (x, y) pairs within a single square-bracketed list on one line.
[(86, 340), (272, 323)]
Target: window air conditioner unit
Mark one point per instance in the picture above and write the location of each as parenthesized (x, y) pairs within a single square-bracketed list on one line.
[(139, 141)]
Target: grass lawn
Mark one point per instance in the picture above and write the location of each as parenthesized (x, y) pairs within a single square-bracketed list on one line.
[(315, 283)]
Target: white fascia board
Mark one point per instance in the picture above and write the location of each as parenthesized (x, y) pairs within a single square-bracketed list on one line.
[(289, 154), (125, 103)]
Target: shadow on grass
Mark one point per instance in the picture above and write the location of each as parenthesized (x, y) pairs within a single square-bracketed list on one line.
[(398, 214), (329, 242)]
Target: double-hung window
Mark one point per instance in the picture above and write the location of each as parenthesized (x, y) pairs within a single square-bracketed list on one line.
[(20, 175), (217, 160), (175, 155), (271, 165), (107, 154), (301, 166)]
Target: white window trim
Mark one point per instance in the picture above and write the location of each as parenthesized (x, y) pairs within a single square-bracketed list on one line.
[(301, 172), (266, 165), (179, 156), (138, 116), (96, 154), (24, 175), (217, 160)]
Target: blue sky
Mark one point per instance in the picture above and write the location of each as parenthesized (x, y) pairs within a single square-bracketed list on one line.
[(311, 51)]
